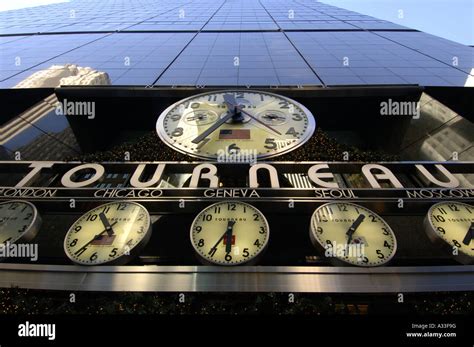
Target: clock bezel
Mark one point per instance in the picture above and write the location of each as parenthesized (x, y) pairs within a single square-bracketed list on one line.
[(311, 127), (30, 233), (441, 243), (253, 260), (124, 258), (338, 261)]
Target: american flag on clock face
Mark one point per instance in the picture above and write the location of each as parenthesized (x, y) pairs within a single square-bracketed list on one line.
[(234, 134)]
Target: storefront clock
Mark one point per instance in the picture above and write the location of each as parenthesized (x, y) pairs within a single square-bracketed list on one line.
[(19, 221), (108, 234), (352, 234), (451, 225), (235, 122), (229, 233)]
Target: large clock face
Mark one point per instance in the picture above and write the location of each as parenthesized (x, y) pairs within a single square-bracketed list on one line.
[(352, 234), (109, 233), (229, 233), (18, 220), (452, 224), (232, 122)]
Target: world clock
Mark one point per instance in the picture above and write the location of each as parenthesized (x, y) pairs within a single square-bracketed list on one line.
[(19, 221), (235, 122), (451, 225), (229, 233), (111, 233), (352, 234)]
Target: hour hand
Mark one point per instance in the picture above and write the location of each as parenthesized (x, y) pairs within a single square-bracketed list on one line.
[(469, 236), (212, 128), (105, 222)]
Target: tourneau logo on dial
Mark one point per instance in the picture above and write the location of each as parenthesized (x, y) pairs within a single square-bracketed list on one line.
[(231, 122)]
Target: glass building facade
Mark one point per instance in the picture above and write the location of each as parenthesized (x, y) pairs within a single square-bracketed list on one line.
[(226, 43)]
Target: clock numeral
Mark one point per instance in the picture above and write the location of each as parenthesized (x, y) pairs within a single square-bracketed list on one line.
[(73, 243), (292, 132), (453, 207), (195, 105), (177, 132), (468, 209), (77, 228), (386, 244), (201, 243), (129, 243), (322, 217), (28, 216), (262, 97), (457, 244), (297, 117), (372, 217), (141, 216), (93, 256), (439, 218), (231, 207), (365, 260), (319, 230), (228, 257), (121, 207), (24, 208), (23, 228), (233, 149), (212, 252), (270, 143), (245, 253), (13, 206), (380, 255), (262, 230), (106, 209), (113, 253), (342, 208), (257, 243), (217, 209), (175, 117), (91, 217), (284, 104), (141, 230), (212, 98), (441, 230), (328, 243), (385, 231), (256, 217), (207, 217), (442, 210), (198, 228)]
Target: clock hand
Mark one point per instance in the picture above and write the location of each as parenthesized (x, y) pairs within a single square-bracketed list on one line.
[(106, 224), (230, 225), (228, 244), (469, 236), (353, 228), (212, 128), (231, 103), (95, 237)]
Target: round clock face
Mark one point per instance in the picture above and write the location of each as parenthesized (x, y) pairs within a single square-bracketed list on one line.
[(229, 233), (352, 234), (452, 224), (109, 233), (231, 122), (18, 220)]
